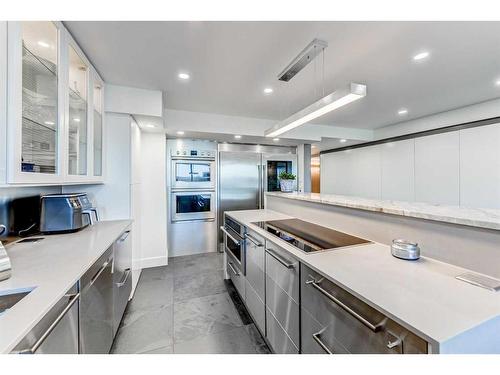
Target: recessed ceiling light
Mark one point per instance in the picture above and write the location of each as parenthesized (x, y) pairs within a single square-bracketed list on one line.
[(313, 146), (497, 82), (41, 43), (49, 123), (183, 76), (402, 112), (268, 90), (180, 132), (421, 56), (342, 140), (76, 119), (276, 139), (237, 136), (150, 126)]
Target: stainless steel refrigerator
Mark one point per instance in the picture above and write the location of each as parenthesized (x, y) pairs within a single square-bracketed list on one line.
[(246, 172)]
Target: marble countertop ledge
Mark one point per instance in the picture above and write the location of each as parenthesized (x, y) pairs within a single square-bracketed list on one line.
[(474, 217)]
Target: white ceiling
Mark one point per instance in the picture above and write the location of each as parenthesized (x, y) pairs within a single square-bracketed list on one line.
[(231, 62)]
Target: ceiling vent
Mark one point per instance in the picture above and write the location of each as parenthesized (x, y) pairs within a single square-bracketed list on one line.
[(303, 58)]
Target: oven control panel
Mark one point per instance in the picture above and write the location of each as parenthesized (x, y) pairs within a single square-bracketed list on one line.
[(194, 153)]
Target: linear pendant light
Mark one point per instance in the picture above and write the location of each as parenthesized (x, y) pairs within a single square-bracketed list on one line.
[(327, 104)]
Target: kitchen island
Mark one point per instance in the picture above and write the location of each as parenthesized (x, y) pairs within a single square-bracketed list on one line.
[(423, 296)]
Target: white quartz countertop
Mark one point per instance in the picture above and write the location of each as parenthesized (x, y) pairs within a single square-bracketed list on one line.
[(422, 295), (52, 265), (475, 217)]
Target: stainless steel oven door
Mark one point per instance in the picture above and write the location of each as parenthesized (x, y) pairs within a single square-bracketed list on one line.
[(193, 174), (234, 245), (193, 205)]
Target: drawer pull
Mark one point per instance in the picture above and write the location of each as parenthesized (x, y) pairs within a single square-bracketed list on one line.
[(280, 259), (253, 240), (236, 273), (317, 338), (374, 327), (236, 242)]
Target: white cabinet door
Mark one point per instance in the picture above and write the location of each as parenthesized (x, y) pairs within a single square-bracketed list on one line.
[(437, 169), (480, 167), (336, 173), (366, 172), (398, 170)]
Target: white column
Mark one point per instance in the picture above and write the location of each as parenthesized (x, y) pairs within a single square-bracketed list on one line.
[(304, 167)]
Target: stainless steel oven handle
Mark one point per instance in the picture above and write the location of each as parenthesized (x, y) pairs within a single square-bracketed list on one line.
[(124, 236), (317, 338), (280, 259), (374, 327), (236, 273), (253, 240), (125, 277), (72, 300), (237, 242)]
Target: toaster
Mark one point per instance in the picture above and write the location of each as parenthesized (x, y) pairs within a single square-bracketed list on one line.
[(65, 213)]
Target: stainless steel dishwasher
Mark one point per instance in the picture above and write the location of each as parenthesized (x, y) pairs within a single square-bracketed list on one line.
[(96, 306), (57, 332), (122, 277)]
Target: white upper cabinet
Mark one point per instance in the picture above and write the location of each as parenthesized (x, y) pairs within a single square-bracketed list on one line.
[(50, 89)]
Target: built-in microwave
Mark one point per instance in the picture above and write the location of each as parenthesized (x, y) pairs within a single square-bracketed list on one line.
[(193, 205), (192, 173)]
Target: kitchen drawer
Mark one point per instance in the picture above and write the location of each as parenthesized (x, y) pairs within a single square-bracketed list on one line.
[(315, 339), (283, 269), (255, 259), (236, 276), (256, 307), (352, 323), (278, 339), (284, 309)]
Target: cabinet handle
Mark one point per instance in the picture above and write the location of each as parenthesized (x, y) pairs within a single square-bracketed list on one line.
[(105, 264), (230, 236), (360, 318), (317, 338), (236, 273), (125, 277), (72, 299), (280, 259), (124, 236), (253, 240)]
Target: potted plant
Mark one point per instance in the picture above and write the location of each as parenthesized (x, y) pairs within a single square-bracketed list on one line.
[(287, 181)]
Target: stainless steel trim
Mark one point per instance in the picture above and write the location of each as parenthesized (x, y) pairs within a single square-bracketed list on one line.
[(237, 242), (230, 264), (253, 240), (192, 216), (96, 276), (43, 337), (124, 236), (316, 337), (126, 275), (261, 182), (374, 327), (280, 259)]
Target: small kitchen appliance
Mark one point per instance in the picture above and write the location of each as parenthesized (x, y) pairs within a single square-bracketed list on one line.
[(5, 266), (65, 213), (404, 249)]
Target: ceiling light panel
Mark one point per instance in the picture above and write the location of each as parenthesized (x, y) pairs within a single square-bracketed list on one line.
[(303, 58), (421, 56), (327, 104)]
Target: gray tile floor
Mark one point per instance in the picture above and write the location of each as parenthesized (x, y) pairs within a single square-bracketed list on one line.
[(185, 307)]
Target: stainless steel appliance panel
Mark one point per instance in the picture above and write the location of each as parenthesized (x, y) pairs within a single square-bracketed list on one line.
[(313, 337), (255, 262), (192, 173), (256, 307), (345, 319), (192, 205), (122, 277), (234, 242), (57, 332), (239, 181), (277, 337), (283, 270), (285, 310), (96, 306), (236, 275)]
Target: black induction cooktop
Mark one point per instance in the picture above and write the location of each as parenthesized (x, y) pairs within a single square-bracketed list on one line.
[(307, 236)]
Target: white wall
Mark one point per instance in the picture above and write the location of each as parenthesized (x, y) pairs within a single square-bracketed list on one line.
[(3, 102), (454, 168), (153, 200), (123, 99)]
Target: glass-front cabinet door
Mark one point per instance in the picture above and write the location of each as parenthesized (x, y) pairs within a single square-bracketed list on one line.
[(97, 113), (55, 101), (34, 114), (77, 120)]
